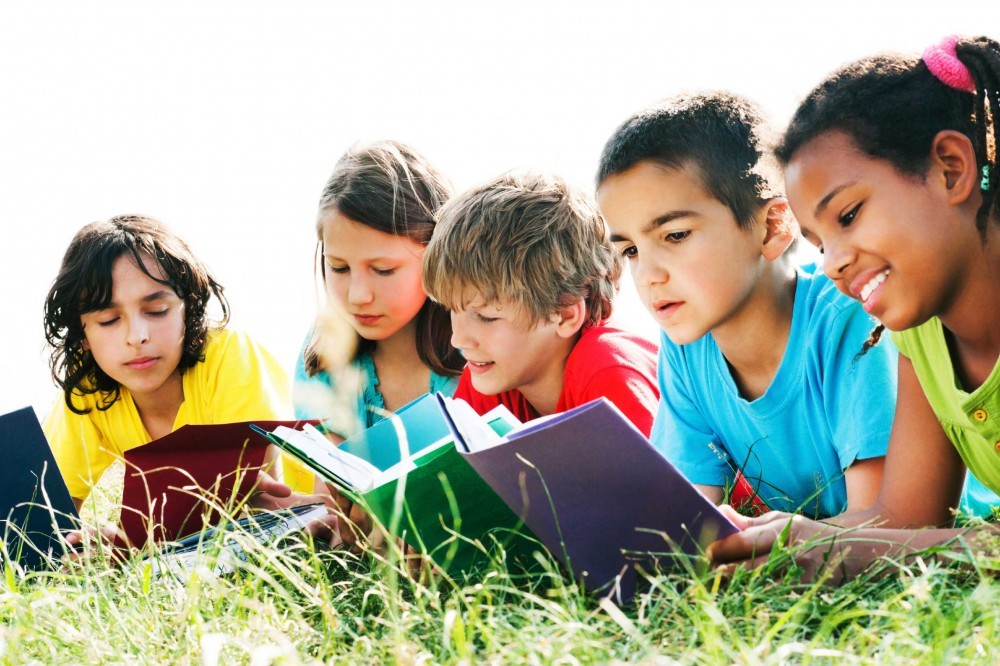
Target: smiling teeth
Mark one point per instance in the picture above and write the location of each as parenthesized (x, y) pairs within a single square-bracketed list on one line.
[(866, 291)]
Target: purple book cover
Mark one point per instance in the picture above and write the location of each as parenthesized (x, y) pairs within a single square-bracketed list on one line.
[(598, 495)]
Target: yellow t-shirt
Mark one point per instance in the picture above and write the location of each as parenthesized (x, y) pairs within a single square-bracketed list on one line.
[(238, 381)]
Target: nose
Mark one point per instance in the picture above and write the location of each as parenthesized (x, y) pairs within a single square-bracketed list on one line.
[(138, 332), (460, 338), (646, 272), (837, 257), (359, 291)]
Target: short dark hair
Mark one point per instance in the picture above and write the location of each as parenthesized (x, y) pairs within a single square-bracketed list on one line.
[(84, 284), (892, 107), (726, 137)]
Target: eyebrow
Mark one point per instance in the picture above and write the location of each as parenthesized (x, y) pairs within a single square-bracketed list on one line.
[(148, 298), (333, 257), (825, 201), (656, 223)]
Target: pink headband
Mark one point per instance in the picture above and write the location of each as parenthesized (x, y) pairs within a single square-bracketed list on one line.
[(944, 64)]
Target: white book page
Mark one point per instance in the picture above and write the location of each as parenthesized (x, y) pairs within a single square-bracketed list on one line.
[(475, 433), (310, 443)]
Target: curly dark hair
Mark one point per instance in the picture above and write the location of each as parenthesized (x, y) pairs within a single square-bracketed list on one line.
[(84, 284), (892, 107)]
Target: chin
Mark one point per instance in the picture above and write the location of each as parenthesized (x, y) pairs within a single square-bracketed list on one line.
[(488, 388), (680, 337)]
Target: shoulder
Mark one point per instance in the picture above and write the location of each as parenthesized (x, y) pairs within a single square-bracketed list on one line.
[(445, 384), (922, 343), (225, 341), (832, 321), (231, 359), (225, 346), (819, 294), (606, 346)]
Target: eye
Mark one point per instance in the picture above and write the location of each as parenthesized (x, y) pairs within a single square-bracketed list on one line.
[(107, 322), (486, 320), (812, 240), (384, 271), (158, 313), (338, 269), (630, 252), (847, 218), (677, 236)]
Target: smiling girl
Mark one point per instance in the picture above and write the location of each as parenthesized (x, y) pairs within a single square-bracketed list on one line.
[(135, 356), (376, 216), (891, 168)]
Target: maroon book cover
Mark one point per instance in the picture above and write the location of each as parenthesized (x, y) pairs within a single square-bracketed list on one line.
[(181, 483)]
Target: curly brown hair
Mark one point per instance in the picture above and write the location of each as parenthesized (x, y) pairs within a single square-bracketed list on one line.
[(84, 284)]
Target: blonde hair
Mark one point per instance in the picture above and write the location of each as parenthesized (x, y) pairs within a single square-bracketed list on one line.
[(526, 239)]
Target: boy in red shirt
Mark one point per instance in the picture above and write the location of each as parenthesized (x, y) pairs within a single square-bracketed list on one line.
[(525, 265)]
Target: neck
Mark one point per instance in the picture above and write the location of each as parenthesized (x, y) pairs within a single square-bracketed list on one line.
[(543, 393), (753, 341), (158, 409), (398, 350), (971, 316)]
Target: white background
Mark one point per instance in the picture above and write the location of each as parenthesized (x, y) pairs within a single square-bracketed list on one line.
[(223, 119)]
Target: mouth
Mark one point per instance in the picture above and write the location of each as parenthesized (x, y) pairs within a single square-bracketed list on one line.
[(664, 308), (367, 320), (479, 367), (867, 286), (142, 362)]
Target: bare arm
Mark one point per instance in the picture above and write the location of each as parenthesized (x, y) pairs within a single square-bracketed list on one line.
[(922, 482), (923, 472), (713, 493), (863, 479), (839, 553)]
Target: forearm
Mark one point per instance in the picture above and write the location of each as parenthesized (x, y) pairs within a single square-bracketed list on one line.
[(858, 549)]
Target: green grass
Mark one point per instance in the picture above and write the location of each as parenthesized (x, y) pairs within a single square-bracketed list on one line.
[(300, 605)]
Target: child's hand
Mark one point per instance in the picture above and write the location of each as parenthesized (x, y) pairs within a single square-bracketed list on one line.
[(88, 540), (273, 495), (817, 548), (355, 525)]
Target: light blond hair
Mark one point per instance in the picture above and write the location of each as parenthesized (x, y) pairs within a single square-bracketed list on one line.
[(525, 239)]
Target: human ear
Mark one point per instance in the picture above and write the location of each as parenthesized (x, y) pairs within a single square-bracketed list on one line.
[(779, 228), (570, 318), (953, 164)]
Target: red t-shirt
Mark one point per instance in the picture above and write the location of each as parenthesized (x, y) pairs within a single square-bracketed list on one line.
[(606, 361)]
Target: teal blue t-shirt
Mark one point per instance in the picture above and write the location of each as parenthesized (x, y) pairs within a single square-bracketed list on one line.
[(825, 408), (313, 396)]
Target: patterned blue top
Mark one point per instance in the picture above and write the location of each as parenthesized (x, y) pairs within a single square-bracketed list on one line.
[(314, 397)]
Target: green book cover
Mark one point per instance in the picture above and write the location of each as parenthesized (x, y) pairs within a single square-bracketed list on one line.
[(449, 513), (440, 506)]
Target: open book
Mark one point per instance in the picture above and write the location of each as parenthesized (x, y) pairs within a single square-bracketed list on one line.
[(408, 474), (594, 491), (586, 482)]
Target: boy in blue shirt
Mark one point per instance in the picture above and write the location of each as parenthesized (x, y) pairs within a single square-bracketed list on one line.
[(759, 367)]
